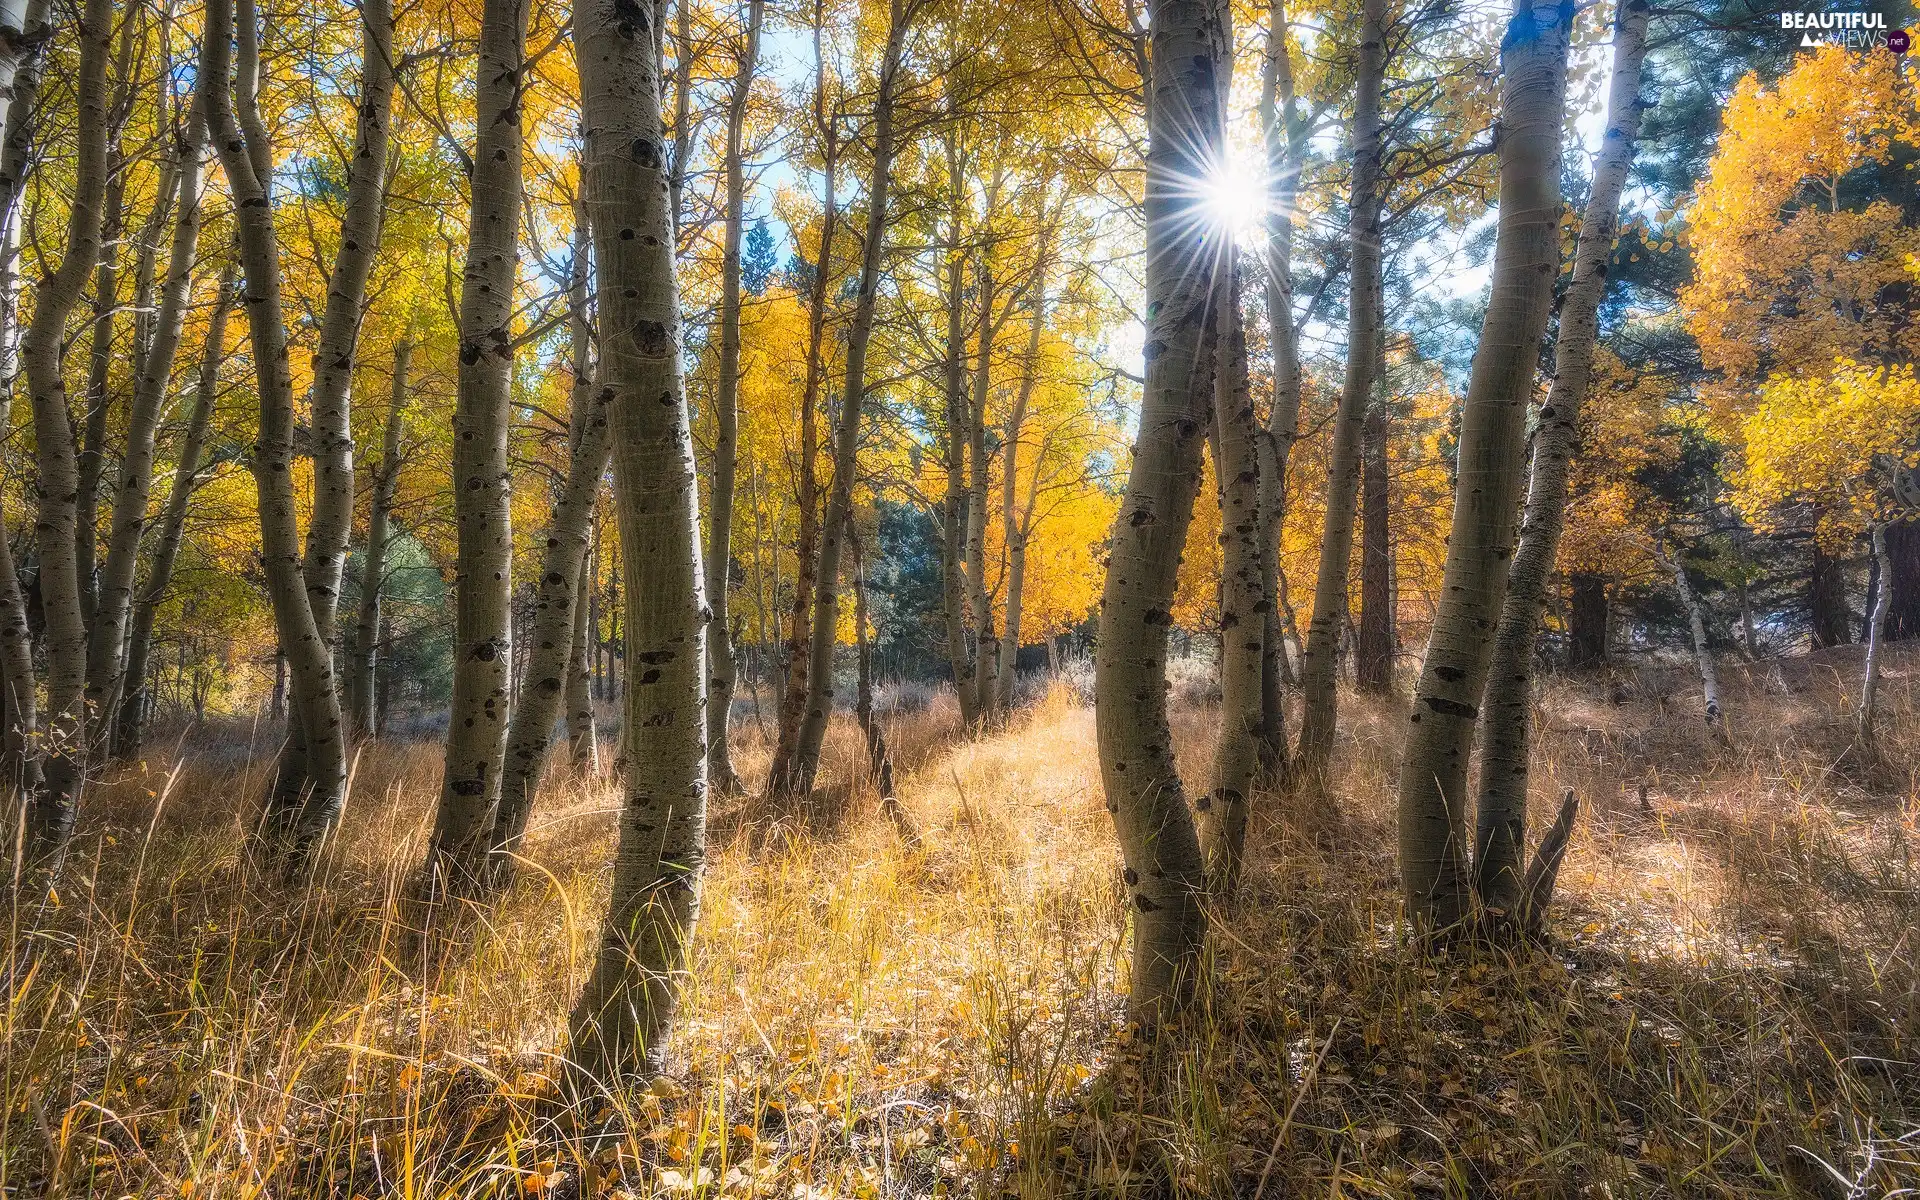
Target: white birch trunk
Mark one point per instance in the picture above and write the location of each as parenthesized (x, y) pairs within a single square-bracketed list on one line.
[(134, 487), (719, 560), (1500, 834), (51, 819), (1434, 832), (483, 410), (1165, 871), (620, 1024), (186, 477)]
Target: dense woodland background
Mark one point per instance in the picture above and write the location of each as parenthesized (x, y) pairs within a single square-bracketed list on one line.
[(876, 597)]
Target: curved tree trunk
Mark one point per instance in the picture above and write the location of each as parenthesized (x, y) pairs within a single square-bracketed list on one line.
[(50, 820), (363, 652), (1243, 598), (1501, 816), (719, 559), (846, 440), (246, 159), (186, 477), (1165, 871), (133, 489), (1319, 697), (619, 1026), (334, 356), (1286, 149), (20, 760), (483, 645), (550, 636), (1434, 846)]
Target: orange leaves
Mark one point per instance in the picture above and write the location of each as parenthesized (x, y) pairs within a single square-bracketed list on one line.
[(1789, 269)]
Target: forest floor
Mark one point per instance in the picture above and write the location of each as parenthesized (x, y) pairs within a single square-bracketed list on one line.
[(1729, 1007)]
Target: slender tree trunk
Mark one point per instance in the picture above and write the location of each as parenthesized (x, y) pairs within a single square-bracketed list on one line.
[(1286, 150), (1014, 525), (483, 643), (726, 443), (1165, 871), (106, 648), (955, 592), (1877, 623), (1373, 638), (1319, 666), (537, 705), (246, 159), (793, 698), (1702, 653), (846, 442), (582, 738), (55, 806), (97, 401), (186, 477), (1501, 814), (20, 760), (334, 356), (879, 757), (1243, 598), (979, 599), (1434, 847), (619, 1026), (364, 649)]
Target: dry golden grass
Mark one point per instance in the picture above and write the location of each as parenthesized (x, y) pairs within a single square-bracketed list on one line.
[(1729, 1008)]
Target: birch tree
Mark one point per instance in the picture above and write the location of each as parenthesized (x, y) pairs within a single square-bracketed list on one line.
[(51, 818), (846, 444), (1284, 140), (304, 811), (1243, 597), (1319, 697), (799, 642), (186, 476), (23, 61), (106, 660), (364, 646), (619, 1025), (1165, 871), (483, 648), (1434, 842), (556, 599), (1500, 833), (727, 417)]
